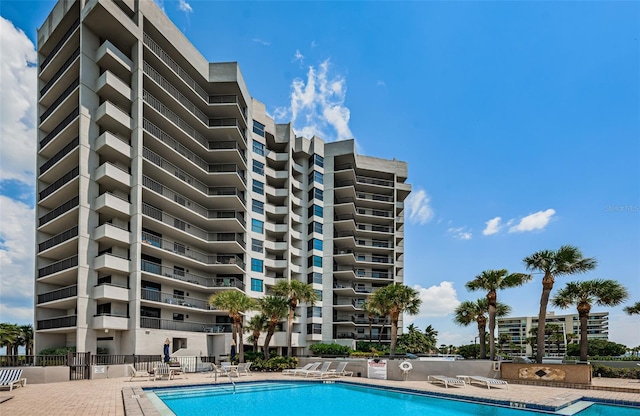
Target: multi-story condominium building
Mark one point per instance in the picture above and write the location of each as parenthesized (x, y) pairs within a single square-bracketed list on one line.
[(162, 182), (563, 330)]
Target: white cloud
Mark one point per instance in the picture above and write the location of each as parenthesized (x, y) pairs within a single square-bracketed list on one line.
[(493, 226), (317, 105), (536, 221), (418, 209), (184, 6), (380, 83), (261, 41), (461, 233), (17, 100), (16, 250), (437, 301), (298, 56)]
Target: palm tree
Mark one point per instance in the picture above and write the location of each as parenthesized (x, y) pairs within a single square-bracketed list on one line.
[(256, 325), (26, 338), (371, 311), (432, 335), (566, 260), (633, 309), (275, 309), (468, 312), (8, 336), (585, 293), (394, 300), (237, 303), (492, 281), (294, 291)]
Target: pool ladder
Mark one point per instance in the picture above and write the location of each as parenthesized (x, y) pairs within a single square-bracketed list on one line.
[(215, 372)]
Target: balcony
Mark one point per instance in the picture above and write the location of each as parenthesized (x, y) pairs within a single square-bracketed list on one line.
[(170, 325), (54, 86), (110, 321), (64, 166), (58, 103), (180, 275), (111, 292), (110, 263), (173, 299), (112, 205), (68, 293), (62, 271), (111, 58), (58, 184), (228, 106), (111, 235), (113, 176), (113, 147), (113, 89), (48, 138), (56, 216), (46, 61), (55, 248), (184, 250), (55, 323), (114, 118)]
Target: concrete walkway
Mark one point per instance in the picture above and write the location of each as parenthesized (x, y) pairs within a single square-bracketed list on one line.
[(105, 397)]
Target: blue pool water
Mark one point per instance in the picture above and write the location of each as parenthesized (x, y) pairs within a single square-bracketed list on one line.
[(311, 399)]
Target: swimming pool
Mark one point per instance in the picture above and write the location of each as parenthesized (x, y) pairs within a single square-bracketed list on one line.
[(335, 399)]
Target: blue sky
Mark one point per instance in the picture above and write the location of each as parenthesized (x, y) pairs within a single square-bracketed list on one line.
[(520, 122)]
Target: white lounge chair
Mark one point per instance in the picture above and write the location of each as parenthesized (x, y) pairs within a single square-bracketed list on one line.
[(292, 371), (487, 381), (340, 370), (446, 381), (320, 372), (304, 372), (162, 370), (137, 373), (12, 378)]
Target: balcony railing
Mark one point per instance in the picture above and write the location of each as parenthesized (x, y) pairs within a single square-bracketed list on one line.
[(173, 299), (228, 122), (60, 99), (180, 248), (57, 239), (63, 293), (373, 181), (56, 212), (179, 274), (63, 124), (66, 178), (60, 71), (228, 99), (58, 266), (151, 44), (173, 117), (173, 91), (60, 43), (61, 322), (228, 145), (375, 212), (170, 325), (58, 156)]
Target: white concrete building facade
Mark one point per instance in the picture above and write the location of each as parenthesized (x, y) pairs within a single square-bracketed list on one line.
[(161, 181)]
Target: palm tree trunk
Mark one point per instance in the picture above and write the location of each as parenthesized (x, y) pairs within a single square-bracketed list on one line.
[(547, 285), (492, 327), (394, 334), (583, 316), (292, 310), (370, 329), (482, 324), (267, 341)]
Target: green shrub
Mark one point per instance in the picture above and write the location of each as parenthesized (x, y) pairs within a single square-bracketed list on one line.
[(274, 364), (363, 354), (57, 351), (611, 372), (330, 349)]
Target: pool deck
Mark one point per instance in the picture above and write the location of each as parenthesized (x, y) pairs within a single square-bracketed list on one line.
[(105, 397)]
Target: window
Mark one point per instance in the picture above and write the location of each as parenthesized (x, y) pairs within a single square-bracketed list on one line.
[(315, 210), (314, 312), (256, 245), (257, 207), (316, 160), (315, 261), (256, 285), (314, 244), (314, 277), (314, 329), (258, 187), (258, 128), (316, 193), (318, 294), (258, 167), (257, 226), (178, 317), (258, 148), (104, 309), (256, 265), (315, 227), (316, 176)]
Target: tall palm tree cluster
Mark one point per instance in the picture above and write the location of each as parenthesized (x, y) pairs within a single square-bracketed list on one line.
[(273, 308), (13, 336), (567, 260)]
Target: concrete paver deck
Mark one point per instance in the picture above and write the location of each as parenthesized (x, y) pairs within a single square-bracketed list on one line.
[(105, 397)]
